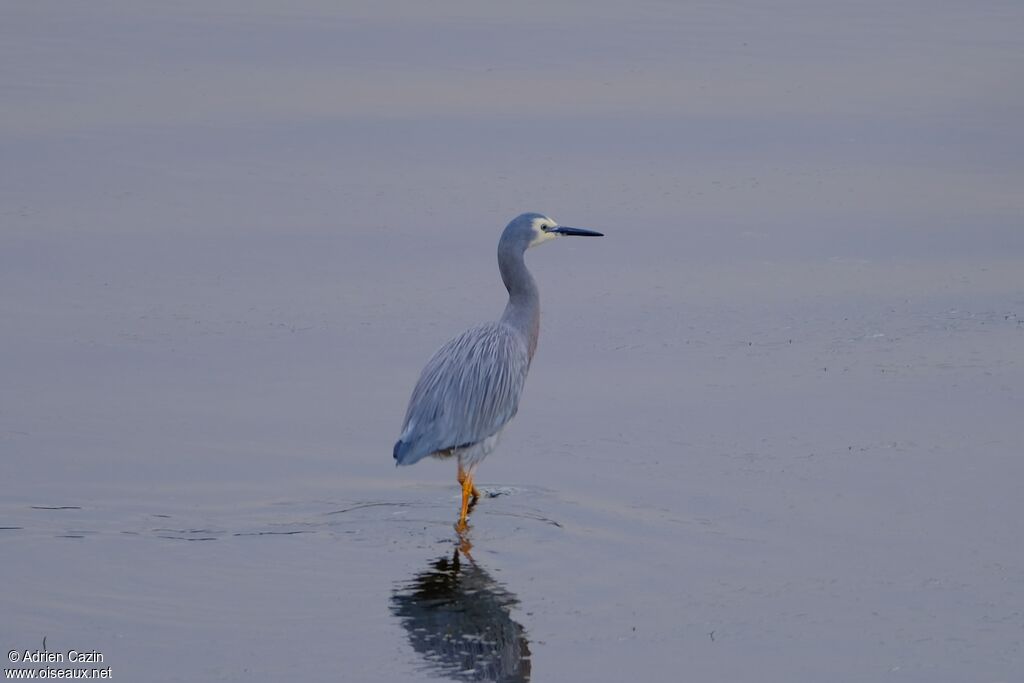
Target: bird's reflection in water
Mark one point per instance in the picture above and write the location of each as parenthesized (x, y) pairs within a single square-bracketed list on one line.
[(458, 618)]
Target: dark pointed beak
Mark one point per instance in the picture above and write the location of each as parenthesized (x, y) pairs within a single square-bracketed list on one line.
[(576, 232)]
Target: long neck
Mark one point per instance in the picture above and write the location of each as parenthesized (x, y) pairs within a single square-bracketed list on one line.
[(523, 309)]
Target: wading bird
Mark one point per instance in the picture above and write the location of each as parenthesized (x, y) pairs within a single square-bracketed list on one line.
[(469, 389)]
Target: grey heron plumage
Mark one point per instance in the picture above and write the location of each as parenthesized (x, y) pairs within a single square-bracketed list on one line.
[(470, 388)]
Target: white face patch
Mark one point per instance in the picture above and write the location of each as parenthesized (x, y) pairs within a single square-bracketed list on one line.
[(540, 234)]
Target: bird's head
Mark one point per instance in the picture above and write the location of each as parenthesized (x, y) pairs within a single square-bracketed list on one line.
[(530, 229)]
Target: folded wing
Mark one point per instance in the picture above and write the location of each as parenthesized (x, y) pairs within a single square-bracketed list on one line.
[(467, 392)]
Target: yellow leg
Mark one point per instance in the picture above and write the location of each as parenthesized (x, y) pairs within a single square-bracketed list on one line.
[(463, 475), (468, 491)]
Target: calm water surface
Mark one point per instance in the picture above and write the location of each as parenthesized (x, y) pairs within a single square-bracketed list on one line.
[(772, 432)]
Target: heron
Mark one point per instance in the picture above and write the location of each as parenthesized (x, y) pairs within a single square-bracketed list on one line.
[(469, 390)]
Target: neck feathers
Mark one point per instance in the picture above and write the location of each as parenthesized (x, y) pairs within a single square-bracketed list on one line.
[(523, 309)]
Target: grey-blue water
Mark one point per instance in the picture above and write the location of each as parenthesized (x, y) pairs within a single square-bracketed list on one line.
[(773, 428)]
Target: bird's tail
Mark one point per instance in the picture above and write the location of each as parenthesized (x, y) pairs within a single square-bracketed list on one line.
[(403, 453)]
